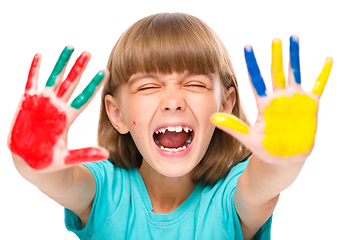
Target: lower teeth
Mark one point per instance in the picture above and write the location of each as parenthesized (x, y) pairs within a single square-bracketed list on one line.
[(173, 149)]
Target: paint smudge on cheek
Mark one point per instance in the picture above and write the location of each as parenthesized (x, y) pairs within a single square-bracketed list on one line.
[(133, 123), (290, 125), (36, 130)]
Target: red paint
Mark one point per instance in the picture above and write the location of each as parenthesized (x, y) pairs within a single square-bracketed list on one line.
[(134, 123), (84, 155), (74, 72), (32, 72), (38, 126)]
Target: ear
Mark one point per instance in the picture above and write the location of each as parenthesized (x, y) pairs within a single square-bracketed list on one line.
[(229, 100), (114, 114)]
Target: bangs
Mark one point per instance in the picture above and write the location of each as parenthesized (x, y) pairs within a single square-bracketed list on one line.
[(166, 43)]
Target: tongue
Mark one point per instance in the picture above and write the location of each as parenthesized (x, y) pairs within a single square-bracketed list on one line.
[(172, 139)]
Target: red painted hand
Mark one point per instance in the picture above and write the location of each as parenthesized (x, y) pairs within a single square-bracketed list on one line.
[(39, 131)]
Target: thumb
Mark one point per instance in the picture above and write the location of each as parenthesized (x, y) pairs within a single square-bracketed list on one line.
[(231, 125), (90, 154)]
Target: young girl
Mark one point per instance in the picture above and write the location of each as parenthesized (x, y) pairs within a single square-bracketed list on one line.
[(171, 173)]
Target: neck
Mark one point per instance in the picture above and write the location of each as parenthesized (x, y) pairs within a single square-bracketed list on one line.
[(166, 193)]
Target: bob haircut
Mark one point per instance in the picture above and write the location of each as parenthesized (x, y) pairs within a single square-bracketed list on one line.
[(166, 43)]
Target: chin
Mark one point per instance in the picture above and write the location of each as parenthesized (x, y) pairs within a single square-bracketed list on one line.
[(174, 168)]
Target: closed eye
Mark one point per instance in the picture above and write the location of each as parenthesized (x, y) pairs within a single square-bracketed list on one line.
[(196, 85), (148, 88)]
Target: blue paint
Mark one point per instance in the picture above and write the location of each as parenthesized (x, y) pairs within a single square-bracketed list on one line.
[(254, 72), (294, 58)]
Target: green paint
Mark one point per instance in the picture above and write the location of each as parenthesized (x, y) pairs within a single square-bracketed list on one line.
[(88, 92), (62, 61)]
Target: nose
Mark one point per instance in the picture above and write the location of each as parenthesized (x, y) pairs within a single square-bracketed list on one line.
[(173, 100)]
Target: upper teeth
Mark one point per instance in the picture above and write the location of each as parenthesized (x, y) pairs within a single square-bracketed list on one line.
[(174, 129)]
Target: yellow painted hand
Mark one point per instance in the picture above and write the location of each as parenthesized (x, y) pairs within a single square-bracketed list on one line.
[(290, 125), (286, 123)]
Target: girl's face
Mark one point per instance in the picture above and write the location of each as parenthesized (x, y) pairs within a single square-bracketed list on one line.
[(168, 118)]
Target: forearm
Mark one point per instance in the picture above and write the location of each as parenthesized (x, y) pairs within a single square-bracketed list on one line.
[(258, 190), (262, 181), (51, 183), (73, 188)]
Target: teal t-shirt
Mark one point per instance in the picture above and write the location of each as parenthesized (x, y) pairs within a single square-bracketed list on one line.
[(122, 210)]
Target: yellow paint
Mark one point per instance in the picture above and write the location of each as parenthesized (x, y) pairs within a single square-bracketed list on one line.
[(290, 125), (277, 64), (323, 77), (230, 121)]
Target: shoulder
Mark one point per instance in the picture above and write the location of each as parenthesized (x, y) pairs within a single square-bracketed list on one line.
[(108, 175), (222, 193), (113, 185), (100, 165), (103, 168), (224, 189), (233, 175), (239, 168)]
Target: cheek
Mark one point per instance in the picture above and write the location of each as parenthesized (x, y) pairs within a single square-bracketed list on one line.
[(138, 115), (203, 105)]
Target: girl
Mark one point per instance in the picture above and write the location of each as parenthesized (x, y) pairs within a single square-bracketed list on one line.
[(171, 174)]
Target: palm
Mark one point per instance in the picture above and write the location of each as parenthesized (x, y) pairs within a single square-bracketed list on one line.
[(39, 130), (286, 122)]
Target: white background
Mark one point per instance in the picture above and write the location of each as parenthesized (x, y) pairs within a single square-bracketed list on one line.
[(308, 209)]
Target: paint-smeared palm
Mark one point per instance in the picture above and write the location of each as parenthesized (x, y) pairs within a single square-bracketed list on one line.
[(286, 122), (39, 131)]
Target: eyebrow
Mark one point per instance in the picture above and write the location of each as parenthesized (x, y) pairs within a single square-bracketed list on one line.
[(209, 75), (139, 76)]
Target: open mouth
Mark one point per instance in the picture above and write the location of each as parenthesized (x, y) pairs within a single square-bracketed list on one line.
[(173, 139)]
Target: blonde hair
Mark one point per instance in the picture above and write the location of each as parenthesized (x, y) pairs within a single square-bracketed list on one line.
[(167, 43)]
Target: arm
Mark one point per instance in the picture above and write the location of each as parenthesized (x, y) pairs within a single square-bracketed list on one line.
[(38, 135), (258, 190), (282, 137), (73, 188)]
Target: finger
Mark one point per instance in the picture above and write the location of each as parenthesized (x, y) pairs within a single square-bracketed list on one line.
[(278, 76), (230, 121), (89, 91), (33, 73), (323, 77), (70, 83), (254, 72), (233, 126), (58, 70), (83, 155), (294, 60)]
